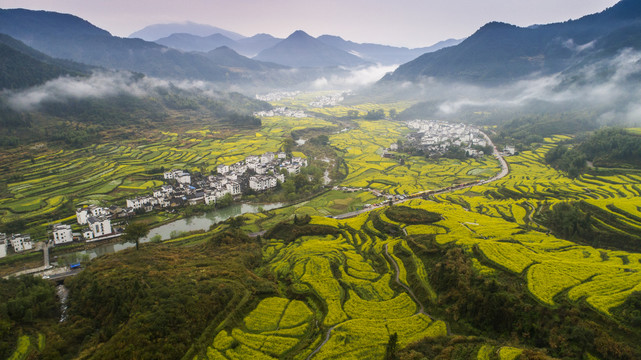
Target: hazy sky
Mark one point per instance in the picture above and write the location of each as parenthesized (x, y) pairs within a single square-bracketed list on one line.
[(410, 23)]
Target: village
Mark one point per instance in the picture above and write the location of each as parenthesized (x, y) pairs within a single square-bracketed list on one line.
[(256, 173), (434, 138), (281, 111)]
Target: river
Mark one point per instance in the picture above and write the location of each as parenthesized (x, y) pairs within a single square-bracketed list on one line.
[(194, 223)]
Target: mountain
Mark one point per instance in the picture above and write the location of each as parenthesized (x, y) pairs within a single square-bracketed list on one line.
[(189, 42), (383, 54), (22, 66), (248, 46), (500, 52), (69, 37), (251, 46), (158, 31), (302, 50), (226, 57)]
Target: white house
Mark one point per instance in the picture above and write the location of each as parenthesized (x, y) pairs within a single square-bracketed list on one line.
[(3, 245), (260, 183), (301, 161), (210, 197), (21, 243), (169, 175), (181, 176), (281, 155), (62, 234), (100, 226), (266, 158), (261, 170), (252, 159), (138, 202), (233, 188), (83, 213), (222, 169), (87, 234), (509, 150), (292, 169)]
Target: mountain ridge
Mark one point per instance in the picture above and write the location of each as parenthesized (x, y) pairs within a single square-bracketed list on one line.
[(500, 52), (159, 31), (302, 50)]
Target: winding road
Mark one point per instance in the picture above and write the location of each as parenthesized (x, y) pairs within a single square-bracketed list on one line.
[(505, 170), (398, 281)]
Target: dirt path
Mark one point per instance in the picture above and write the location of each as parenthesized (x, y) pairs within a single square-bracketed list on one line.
[(318, 348), (398, 281)]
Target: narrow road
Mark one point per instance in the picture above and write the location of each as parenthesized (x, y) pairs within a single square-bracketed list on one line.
[(398, 281), (411, 293), (505, 170), (329, 333)]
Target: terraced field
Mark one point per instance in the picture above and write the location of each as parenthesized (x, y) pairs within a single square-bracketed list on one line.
[(109, 173), (362, 150), (499, 224), (349, 282)]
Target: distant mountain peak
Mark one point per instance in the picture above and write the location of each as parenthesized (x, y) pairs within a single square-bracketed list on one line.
[(159, 31), (302, 50), (299, 34), (496, 25)]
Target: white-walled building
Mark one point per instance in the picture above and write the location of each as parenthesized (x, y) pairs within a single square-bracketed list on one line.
[(99, 226), (234, 188), (83, 213), (62, 234), (266, 158), (210, 197), (3, 245), (260, 183), (21, 242), (139, 202), (222, 169), (509, 150), (87, 234), (181, 176)]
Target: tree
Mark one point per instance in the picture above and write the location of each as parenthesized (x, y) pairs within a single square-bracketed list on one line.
[(392, 113), (135, 231), (392, 344)]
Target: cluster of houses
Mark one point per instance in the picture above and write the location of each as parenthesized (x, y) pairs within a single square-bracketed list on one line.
[(281, 111), (278, 95), (19, 243), (256, 172), (327, 100), (438, 136), (98, 227)]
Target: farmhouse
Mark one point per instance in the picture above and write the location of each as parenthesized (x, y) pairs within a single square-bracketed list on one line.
[(180, 176), (62, 234), (99, 226), (139, 202), (3, 245), (262, 182), (83, 213), (21, 242)]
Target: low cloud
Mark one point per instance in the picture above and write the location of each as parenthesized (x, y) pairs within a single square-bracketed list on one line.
[(98, 85), (352, 79), (607, 87)]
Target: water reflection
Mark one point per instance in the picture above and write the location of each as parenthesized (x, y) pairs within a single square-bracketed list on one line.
[(194, 223)]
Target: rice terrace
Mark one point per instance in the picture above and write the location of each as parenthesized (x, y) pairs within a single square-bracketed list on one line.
[(204, 195)]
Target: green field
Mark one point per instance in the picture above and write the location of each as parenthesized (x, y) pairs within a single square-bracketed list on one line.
[(322, 288)]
